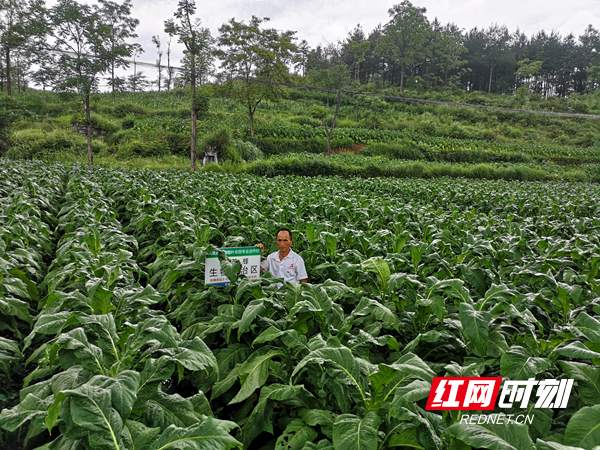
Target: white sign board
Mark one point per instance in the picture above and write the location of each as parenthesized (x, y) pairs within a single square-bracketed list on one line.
[(248, 256)]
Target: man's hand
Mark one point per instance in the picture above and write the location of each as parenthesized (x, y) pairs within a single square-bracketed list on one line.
[(262, 249)]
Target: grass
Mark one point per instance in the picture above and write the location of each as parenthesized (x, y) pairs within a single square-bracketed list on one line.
[(151, 130)]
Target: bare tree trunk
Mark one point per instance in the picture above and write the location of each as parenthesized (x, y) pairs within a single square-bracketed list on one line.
[(89, 129), (402, 78), (193, 108), (8, 81), (251, 121), (112, 77), (169, 72), (337, 110), (490, 80)]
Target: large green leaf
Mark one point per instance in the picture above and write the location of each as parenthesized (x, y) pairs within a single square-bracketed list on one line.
[(576, 350), (588, 380), (255, 371), (87, 411), (492, 436), (165, 410), (295, 436), (475, 326), (519, 364), (342, 359), (380, 268), (351, 432), (29, 408), (211, 434), (550, 445), (588, 327), (583, 429)]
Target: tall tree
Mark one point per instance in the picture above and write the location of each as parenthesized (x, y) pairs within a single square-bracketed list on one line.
[(82, 52), (122, 27), (196, 40), (156, 42), (136, 50), (169, 68), (20, 21), (335, 77), (250, 54), (496, 48), (405, 36), (302, 57), (447, 54)]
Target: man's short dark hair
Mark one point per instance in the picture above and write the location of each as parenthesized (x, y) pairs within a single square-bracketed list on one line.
[(284, 229)]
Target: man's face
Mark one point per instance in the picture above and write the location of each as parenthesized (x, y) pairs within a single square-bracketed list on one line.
[(283, 241)]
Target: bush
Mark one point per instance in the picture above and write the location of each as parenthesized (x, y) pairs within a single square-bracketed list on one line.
[(247, 150), (398, 150), (8, 115), (276, 146), (218, 140), (142, 148), (127, 109), (128, 124), (303, 120), (38, 144), (100, 124), (230, 153)]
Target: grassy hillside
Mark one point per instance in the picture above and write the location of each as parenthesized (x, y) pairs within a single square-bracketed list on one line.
[(395, 139)]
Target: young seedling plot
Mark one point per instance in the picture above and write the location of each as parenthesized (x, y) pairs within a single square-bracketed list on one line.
[(109, 338)]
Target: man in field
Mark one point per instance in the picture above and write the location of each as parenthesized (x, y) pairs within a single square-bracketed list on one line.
[(286, 263)]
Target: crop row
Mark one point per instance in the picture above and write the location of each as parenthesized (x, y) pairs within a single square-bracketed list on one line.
[(99, 350), (409, 279)]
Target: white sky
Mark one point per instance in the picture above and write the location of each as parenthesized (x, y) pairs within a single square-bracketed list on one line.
[(327, 20), (318, 21)]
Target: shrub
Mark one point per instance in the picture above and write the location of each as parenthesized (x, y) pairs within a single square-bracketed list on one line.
[(100, 124), (230, 153), (128, 123), (276, 146), (399, 150), (142, 148), (34, 143), (7, 117), (128, 109), (247, 150), (218, 140), (303, 120)]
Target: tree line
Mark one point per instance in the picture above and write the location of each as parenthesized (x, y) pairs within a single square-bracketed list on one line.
[(73, 47)]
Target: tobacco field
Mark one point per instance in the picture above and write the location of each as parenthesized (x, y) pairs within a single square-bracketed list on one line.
[(109, 338)]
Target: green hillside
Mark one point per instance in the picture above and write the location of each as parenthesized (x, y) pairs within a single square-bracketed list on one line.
[(397, 139)]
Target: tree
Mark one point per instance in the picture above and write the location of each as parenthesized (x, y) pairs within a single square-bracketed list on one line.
[(358, 50), (496, 48), (156, 42), (302, 57), (249, 55), (122, 26), (405, 36), (20, 21), (169, 68), (333, 78), (447, 54), (196, 40), (136, 50), (82, 52)]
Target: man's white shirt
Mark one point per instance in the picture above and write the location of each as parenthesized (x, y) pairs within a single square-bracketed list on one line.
[(291, 268)]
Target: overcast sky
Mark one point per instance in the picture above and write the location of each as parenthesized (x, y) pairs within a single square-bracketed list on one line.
[(319, 21), (327, 20)]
